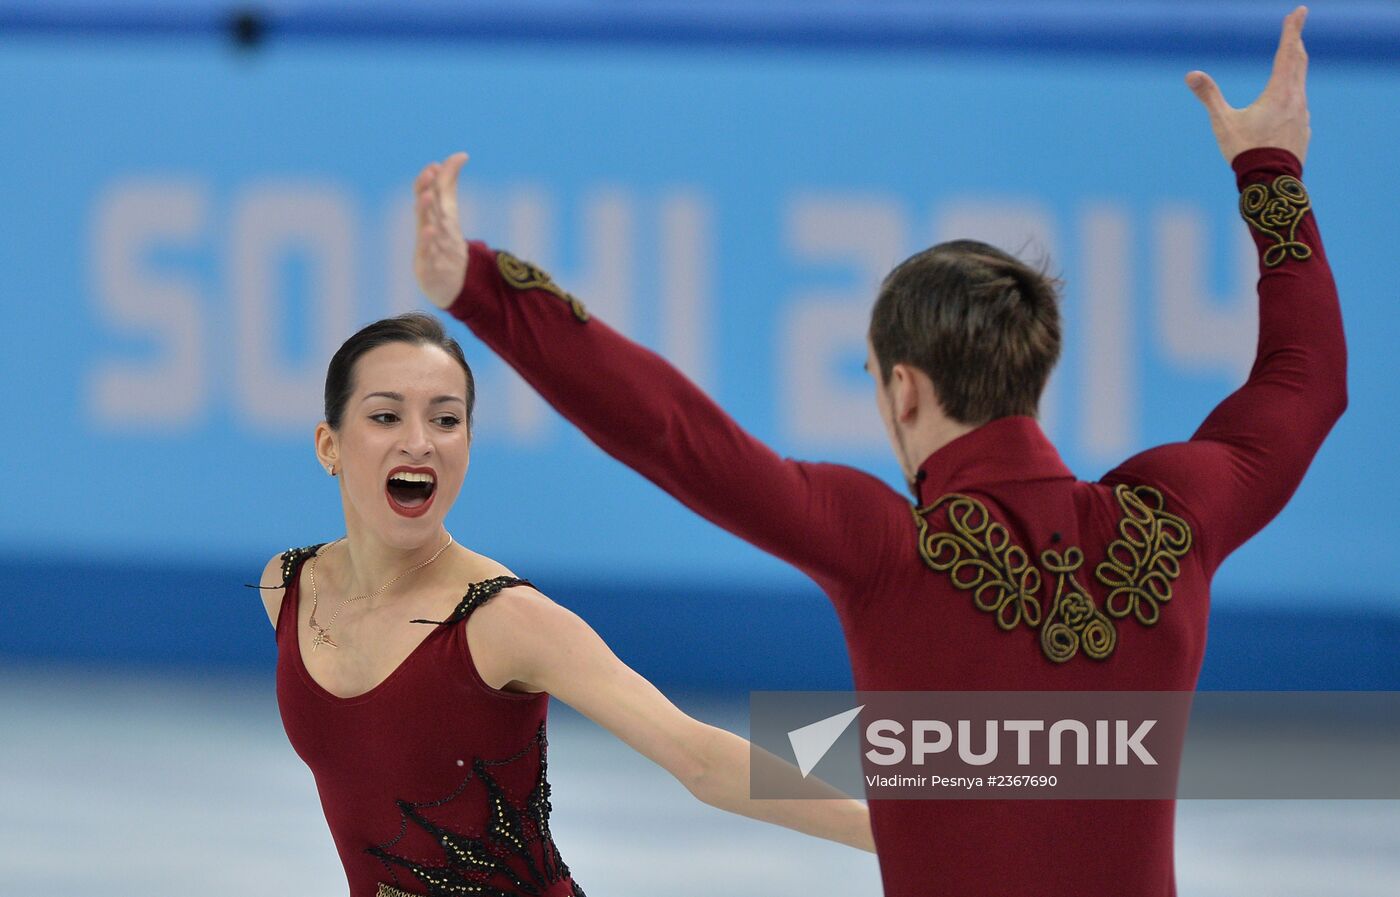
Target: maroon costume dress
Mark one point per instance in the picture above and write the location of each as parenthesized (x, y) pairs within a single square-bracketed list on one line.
[(433, 783), (1120, 593)]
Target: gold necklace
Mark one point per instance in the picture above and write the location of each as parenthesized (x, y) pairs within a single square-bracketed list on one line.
[(323, 633)]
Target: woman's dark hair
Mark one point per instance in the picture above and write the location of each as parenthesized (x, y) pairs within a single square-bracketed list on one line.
[(415, 328)]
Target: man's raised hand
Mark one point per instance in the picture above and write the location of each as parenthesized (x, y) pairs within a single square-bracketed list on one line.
[(1279, 116), (440, 254)]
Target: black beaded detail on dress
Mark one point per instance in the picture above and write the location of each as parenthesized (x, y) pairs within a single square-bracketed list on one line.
[(514, 854), (291, 559), (478, 593)]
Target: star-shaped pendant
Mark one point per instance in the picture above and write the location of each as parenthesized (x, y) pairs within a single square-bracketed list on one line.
[(322, 638)]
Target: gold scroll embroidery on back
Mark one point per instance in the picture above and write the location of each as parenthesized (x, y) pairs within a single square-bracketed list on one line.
[(979, 556)]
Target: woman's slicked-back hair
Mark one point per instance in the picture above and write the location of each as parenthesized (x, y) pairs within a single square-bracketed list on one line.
[(982, 324), (415, 328)]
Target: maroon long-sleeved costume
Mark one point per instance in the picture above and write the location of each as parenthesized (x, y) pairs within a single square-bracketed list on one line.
[(1096, 586)]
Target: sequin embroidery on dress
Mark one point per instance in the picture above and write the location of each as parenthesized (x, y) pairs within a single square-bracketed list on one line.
[(512, 854), (291, 560), (478, 593)]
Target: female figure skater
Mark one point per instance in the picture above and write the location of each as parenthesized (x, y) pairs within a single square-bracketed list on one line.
[(413, 674)]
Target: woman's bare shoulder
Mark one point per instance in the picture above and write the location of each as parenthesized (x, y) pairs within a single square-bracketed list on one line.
[(472, 566), (270, 586)]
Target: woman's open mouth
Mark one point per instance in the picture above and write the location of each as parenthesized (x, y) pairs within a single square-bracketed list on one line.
[(410, 490)]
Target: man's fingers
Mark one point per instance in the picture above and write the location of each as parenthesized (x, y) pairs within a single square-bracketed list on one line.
[(1293, 27), (1298, 50), (1291, 60), (1290, 38), (1203, 86)]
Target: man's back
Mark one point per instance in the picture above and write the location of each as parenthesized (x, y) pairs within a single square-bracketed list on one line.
[(1011, 575)]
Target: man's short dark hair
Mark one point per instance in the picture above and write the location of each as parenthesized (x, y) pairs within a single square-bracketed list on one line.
[(982, 324)]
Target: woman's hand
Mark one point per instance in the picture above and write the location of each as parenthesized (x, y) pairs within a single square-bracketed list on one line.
[(1279, 116), (440, 254)]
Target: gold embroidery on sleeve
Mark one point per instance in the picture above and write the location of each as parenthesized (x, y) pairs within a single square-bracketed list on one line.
[(390, 891), (1276, 210), (524, 276), (1140, 565)]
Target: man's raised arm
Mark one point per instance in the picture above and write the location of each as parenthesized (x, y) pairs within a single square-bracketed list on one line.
[(643, 411), (1246, 460)]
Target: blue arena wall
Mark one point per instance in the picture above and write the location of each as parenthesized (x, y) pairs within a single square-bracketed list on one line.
[(201, 621), (191, 227)]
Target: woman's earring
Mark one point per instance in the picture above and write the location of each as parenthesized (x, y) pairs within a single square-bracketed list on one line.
[(330, 469)]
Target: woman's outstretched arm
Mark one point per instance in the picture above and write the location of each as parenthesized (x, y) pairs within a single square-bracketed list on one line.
[(523, 641)]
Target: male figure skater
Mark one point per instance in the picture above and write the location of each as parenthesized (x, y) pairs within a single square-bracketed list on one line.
[(962, 339)]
